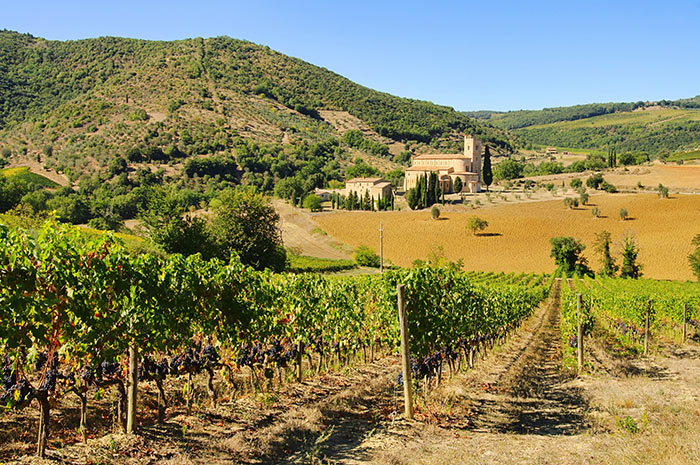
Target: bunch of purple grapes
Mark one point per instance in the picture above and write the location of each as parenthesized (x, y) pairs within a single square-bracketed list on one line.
[(152, 370)]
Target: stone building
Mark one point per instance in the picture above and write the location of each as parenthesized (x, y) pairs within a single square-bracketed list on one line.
[(465, 166), (377, 187)]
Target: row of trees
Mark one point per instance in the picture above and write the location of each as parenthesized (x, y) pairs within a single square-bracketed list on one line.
[(426, 193), (353, 201), (568, 256)]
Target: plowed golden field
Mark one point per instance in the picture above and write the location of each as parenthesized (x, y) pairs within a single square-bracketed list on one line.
[(519, 234)]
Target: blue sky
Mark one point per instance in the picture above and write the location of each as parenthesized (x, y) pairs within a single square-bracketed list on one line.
[(471, 55)]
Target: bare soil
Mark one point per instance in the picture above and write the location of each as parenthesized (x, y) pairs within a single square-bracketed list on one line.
[(301, 233)]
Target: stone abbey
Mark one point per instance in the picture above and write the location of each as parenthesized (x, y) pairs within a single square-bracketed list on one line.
[(449, 167)]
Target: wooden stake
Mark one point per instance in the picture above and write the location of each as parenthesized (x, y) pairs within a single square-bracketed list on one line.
[(579, 335), (299, 362), (646, 330), (44, 419), (133, 384), (405, 356), (381, 247), (685, 319)]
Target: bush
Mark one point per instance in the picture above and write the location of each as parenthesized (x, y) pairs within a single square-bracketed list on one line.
[(313, 203), (663, 191), (694, 258), (583, 198), (594, 181), (567, 253), (475, 224), (364, 256), (630, 268), (576, 183), (508, 169), (458, 185), (570, 203), (435, 212), (623, 214), (138, 114), (607, 187)]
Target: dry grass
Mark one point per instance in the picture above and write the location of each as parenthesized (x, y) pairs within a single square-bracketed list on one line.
[(664, 229), (678, 178), (682, 177)]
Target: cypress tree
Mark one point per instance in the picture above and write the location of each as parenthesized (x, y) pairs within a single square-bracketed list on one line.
[(486, 171)]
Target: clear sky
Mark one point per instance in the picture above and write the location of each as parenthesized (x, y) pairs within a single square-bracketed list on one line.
[(471, 55)]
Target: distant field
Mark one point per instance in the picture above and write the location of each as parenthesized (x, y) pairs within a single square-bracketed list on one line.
[(659, 116), (663, 228), (683, 177), (685, 156), (22, 173), (654, 130)]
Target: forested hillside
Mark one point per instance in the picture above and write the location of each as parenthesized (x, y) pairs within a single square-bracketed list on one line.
[(93, 99), (657, 128), (119, 117)]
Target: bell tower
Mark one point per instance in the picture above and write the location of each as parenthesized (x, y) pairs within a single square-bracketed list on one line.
[(472, 150)]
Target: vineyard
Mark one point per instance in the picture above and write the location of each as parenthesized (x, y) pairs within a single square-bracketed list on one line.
[(622, 306), (83, 318)]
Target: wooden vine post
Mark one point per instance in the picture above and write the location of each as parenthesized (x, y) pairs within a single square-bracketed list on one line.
[(44, 419), (381, 247), (132, 388), (299, 360), (579, 335), (685, 319), (646, 330), (405, 355)]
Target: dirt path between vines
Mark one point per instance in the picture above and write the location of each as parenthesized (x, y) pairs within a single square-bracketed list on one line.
[(515, 406), (518, 407)]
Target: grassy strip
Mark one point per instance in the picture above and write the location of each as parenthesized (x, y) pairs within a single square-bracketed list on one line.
[(304, 264), (22, 173)]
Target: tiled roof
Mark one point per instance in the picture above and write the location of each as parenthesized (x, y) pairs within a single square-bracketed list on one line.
[(439, 156), (372, 180)]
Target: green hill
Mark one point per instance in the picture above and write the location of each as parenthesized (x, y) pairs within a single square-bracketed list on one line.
[(78, 104), (654, 127)]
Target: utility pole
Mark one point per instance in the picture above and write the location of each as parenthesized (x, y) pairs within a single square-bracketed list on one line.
[(381, 247)]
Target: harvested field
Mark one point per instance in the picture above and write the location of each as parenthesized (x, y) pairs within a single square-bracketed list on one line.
[(678, 178), (517, 238)]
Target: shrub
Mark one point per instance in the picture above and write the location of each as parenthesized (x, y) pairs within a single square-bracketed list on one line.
[(630, 268), (576, 183), (594, 181), (663, 191), (508, 169), (596, 212), (364, 256), (567, 253), (583, 198), (435, 212), (458, 185), (623, 214), (313, 203), (475, 224), (694, 258), (138, 114), (607, 187)]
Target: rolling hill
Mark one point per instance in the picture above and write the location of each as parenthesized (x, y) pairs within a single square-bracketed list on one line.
[(76, 105), (657, 128)]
